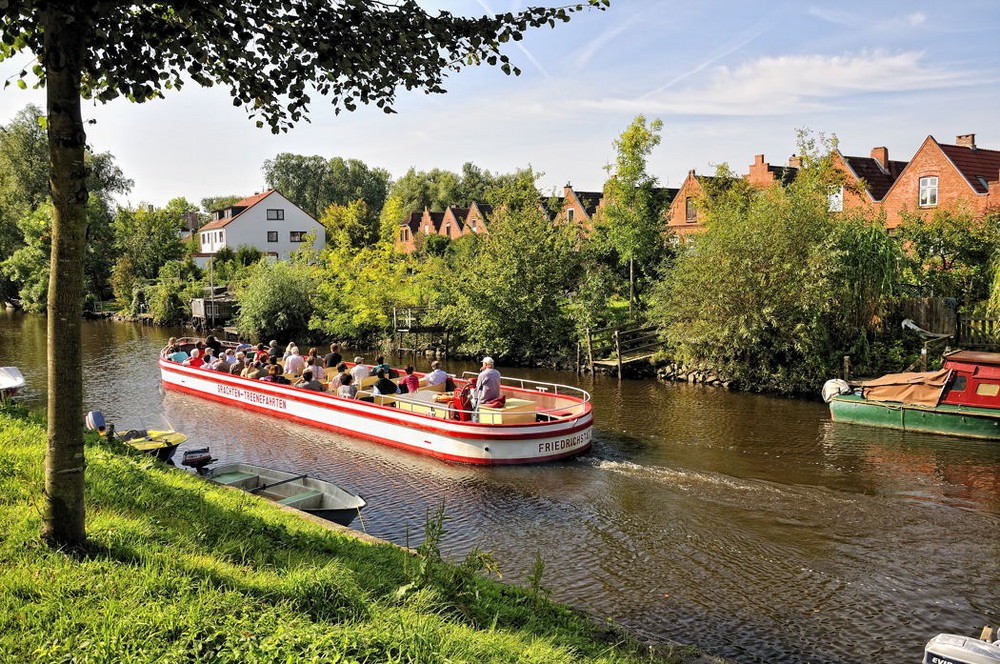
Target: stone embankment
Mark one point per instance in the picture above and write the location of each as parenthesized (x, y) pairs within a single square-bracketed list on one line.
[(681, 374)]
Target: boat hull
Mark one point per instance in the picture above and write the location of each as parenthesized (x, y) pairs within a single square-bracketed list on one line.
[(966, 421), (449, 440)]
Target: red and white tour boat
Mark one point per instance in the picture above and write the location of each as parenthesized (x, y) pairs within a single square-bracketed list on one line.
[(539, 421)]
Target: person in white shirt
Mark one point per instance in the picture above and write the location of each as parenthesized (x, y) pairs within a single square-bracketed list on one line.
[(437, 375), (294, 363), (360, 370)]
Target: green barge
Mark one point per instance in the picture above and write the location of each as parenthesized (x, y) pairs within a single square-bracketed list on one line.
[(961, 399)]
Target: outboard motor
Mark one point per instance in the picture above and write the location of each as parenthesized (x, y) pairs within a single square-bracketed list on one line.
[(955, 649), (198, 459), (95, 421)]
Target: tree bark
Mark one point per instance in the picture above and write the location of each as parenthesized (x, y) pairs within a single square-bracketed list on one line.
[(65, 34)]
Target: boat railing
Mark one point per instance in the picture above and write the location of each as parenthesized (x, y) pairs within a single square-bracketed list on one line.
[(554, 389)]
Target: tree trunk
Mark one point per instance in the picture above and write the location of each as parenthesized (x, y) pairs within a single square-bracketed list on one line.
[(631, 286), (62, 57)]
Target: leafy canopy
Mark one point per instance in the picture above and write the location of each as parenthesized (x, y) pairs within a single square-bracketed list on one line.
[(276, 55)]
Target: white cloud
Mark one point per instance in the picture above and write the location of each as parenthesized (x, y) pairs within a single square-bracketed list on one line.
[(919, 18), (777, 85)]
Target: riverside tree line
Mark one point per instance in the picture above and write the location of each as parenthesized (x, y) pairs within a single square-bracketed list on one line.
[(771, 295)]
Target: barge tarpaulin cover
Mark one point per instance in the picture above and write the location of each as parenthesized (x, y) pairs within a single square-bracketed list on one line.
[(918, 388)]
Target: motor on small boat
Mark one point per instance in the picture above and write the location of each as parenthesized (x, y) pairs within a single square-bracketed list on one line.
[(198, 459), (161, 444), (957, 649)]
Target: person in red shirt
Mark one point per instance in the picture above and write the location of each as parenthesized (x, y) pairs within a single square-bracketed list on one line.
[(195, 360), (411, 382)]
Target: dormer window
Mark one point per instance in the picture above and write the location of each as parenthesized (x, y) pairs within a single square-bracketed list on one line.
[(928, 191)]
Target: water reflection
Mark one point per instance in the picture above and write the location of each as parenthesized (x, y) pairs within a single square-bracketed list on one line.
[(749, 525)]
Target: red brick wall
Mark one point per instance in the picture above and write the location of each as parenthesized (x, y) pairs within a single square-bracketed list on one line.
[(954, 191), (676, 215)]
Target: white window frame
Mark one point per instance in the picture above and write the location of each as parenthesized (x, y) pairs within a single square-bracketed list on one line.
[(835, 199), (928, 191)]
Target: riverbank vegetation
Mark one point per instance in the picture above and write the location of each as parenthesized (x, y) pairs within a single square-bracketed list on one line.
[(176, 569), (770, 296)]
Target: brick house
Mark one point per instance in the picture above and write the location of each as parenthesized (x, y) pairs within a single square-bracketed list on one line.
[(453, 222), (579, 207), (943, 177), (866, 181), (683, 215), (762, 174)]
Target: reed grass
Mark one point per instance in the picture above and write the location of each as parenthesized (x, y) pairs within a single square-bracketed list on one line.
[(178, 570)]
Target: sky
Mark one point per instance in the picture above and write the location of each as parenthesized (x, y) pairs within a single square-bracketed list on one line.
[(729, 79)]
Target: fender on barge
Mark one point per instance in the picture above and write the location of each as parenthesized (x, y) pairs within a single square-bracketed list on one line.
[(542, 421)]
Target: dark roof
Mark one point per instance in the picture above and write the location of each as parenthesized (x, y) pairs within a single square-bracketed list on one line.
[(870, 170), (589, 200), (783, 174), (978, 166), (413, 221)]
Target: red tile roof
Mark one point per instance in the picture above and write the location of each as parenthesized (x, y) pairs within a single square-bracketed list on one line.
[(243, 206), (978, 166)]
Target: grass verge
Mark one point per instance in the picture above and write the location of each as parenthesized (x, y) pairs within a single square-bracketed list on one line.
[(178, 570)]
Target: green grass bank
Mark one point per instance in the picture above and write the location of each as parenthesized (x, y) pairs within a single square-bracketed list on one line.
[(178, 570)]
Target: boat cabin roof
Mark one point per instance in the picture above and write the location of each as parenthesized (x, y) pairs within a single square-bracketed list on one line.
[(968, 360)]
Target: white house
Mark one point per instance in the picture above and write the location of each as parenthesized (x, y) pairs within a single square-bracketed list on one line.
[(268, 221)]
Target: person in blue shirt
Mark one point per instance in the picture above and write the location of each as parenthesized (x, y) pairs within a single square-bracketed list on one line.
[(176, 354)]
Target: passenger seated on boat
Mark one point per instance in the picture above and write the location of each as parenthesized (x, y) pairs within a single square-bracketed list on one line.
[(195, 360), (410, 383), (437, 375), (239, 365), (307, 382), (332, 358), (384, 384), (315, 365), (288, 350), (294, 363), (273, 350), (347, 389), (217, 364), (214, 344), (338, 378), (274, 375), (229, 356), (360, 371), (176, 354), (380, 363), (260, 355), (253, 371)]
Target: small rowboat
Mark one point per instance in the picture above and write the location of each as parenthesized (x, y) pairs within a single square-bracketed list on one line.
[(536, 422), (161, 444), (308, 494)]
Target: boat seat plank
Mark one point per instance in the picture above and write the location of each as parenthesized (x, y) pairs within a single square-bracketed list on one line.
[(299, 496), (233, 478)]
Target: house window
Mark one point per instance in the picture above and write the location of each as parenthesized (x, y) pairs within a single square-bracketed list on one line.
[(570, 214), (427, 229), (835, 199), (690, 209), (275, 215), (472, 225), (447, 229), (297, 236), (928, 191), (272, 236)]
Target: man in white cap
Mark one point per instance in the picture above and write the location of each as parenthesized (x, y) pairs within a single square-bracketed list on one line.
[(487, 384)]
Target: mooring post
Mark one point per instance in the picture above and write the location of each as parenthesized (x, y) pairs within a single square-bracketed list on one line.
[(590, 352), (847, 367), (578, 351), (618, 354)]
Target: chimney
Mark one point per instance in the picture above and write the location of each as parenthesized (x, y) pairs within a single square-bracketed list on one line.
[(881, 155), (758, 159), (691, 173), (966, 141), (795, 161)]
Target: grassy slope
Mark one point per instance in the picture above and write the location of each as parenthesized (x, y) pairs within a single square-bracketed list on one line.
[(181, 571)]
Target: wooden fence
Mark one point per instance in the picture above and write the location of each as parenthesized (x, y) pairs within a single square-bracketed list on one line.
[(978, 333)]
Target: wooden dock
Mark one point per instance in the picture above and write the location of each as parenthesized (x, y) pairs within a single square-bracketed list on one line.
[(614, 348)]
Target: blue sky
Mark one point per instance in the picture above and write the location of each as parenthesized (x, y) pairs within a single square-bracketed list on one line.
[(730, 79)]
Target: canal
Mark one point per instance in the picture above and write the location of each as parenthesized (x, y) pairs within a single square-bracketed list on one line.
[(747, 525)]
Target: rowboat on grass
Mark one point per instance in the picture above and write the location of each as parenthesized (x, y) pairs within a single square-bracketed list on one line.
[(961, 399), (308, 494), (11, 380), (161, 444), (539, 421)]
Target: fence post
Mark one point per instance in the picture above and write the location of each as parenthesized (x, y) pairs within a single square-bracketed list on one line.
[(590, 351), (847, 367), (578, 351), (618, 354)]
